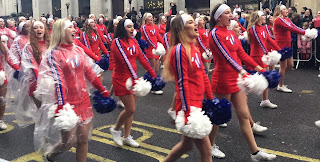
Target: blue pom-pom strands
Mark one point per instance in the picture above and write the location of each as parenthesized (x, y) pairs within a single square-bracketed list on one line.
[(157, 84), (103, 104), (143, 44), (273, 78), (104, 62), (286, 53), (219, 111)]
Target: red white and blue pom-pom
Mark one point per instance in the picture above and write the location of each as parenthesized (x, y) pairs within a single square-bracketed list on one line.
[(157, 83), (104, 62), (64, 118), (272, 58), (273, 78), (286, 53), (219, 111), (255, 83), (103, 104), (198, 125), (140, 87), (243, 36), (310, 34)]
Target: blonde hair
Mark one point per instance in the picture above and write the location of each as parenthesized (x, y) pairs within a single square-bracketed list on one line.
[(143, 22), (254, 18), (58, 34), (178, 35), (277, 12)]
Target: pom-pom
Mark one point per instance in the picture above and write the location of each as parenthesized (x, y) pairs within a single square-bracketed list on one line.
[(134, 33), (273, 78), (65, 118), (4, 38), (272, 58), (52, 111), (104, 63), (13, 33), (143, 44), (157, 83), (286, 53), (310, 34), (103, 104), (198, 125), (16, 75), (207, 55), (256, 83), (219, 111), (160, 51), (141, 87), (2, 77), (244, 36)]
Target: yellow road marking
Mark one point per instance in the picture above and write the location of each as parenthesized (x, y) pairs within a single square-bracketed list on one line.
[(306, 91), (157, 127), (10, 127), (291, 156), (12, 113), (137, 150), (29, 157), (93, 156)]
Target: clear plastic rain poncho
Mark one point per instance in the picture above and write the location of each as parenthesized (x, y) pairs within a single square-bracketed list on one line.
[(62, 80), (26, 109)]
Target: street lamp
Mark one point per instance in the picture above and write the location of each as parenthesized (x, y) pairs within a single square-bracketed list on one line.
[(17, 5), (130, 5), (67, 4)]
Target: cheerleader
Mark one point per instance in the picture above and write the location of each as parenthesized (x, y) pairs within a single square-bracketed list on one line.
[(102, 27), (203, 41), (5, 31), (125, 50), (3, 83), (31, 57), (93, 17), (259, 41), (50, 23), (78, 31), (91, 39), (183, 64), (162, 25), (282, 31), (150, 33), (66, 66), (228, 54), (111, 29), (269, 26)]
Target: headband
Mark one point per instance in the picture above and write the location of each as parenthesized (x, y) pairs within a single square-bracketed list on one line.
[(220, 11), (171, 20), (8, 21), (119, 18), (260, 13), (91, 15), (38, 23), (1, 19), (234, 15), (185, 18), (73, 22), (114, 21), (282, 7), (67, 24), (197, 20), (233, 23), (21, 18), (148, 14), (21, 26), (198, 15), (48, 20), (181, 12), (90, 21), (100, 19), (163, 17), (43, 19), (127, 22)]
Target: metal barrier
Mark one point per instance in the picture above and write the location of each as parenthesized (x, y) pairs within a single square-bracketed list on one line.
[(313, 53)]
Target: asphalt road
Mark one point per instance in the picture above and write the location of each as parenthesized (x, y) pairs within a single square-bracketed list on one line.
[(292, 134)]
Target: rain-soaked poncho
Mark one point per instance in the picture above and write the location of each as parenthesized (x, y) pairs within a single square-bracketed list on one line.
[(62, 80), (26, 109)]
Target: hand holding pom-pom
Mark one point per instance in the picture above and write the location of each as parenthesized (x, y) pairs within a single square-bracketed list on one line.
[(157, 83), (140, 87), (105, 93), (256, 83), (310, 34), (272, 58), (64, 116)]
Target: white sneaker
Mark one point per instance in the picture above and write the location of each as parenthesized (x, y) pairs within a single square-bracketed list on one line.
[(160, 92), (224, 125), (317, 123), (284, 88), (3, 126), (268, 104), (216, 153), (257, 128), (172, 113), (262, 156), (130, 142), (319, 75), (116, 136), (120, 104)]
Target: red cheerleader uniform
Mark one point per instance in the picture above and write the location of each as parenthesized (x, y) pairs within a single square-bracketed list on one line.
[(95, 44), (126, 68), (282, 31), (31, 63), (150, 34), (227, 54), (109, 40), (70, 69), (16, 50), (166, 39), (2, 63), (78, 32), (102, 28), (7, 32), (162, 29), (190, 78), (100, 34), (86, 50), (242, 28), (203, 42), (259, 41)]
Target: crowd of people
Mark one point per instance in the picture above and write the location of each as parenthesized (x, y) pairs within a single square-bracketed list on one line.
[(50, 66)]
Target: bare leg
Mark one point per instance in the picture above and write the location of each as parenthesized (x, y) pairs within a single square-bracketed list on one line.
[(82, 143), (152, 62), (3, 92), (239, 102), (156, 65), (179, 149), (173, 103), (36, 101), (265, 94), (282, 71), (207, 66), (204, 148)]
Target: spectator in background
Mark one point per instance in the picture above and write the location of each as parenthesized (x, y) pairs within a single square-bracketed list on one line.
[(267, 11), (141, 13), (242, 21), (307, 17), (236, 9), (81, 21), (250, 10), (134, 12), (173, 10), (304, 46), (206, 22), (303, 11)]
